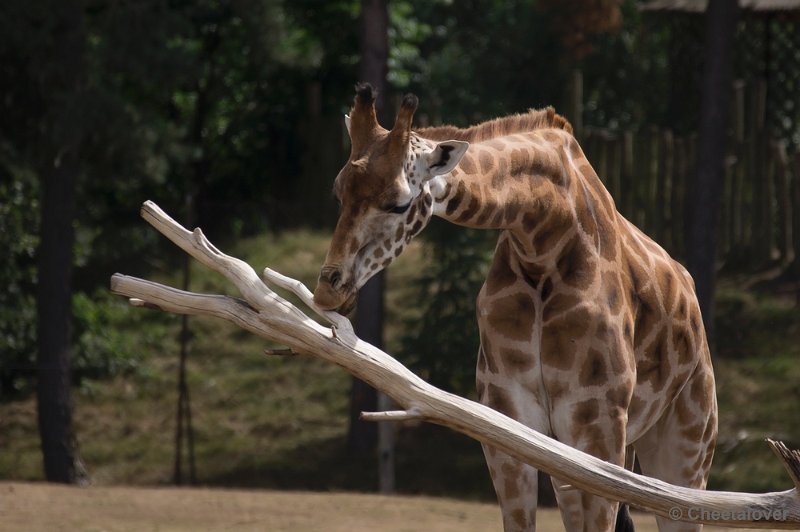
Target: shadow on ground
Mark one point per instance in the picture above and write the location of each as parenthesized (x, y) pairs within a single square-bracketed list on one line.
[(430, 460)]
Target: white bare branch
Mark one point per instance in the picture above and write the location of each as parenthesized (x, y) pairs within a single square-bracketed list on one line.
[(266, 314), (342, 324), (392, 415)]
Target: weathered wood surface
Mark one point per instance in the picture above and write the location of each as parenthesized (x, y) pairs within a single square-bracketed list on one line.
[(265, 313)]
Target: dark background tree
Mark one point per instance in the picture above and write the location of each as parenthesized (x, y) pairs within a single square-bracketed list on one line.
[(59, 155), (373, 69), (707, 192)]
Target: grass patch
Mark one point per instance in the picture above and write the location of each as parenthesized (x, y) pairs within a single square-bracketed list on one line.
[(758, 387)]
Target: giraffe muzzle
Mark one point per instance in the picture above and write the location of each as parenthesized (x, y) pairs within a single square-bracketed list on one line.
[(331, 293)]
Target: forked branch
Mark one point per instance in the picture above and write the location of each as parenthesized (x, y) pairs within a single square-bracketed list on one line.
[(266, 314)]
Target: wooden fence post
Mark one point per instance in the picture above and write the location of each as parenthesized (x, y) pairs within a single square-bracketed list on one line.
[(575, 106), (737, 195), (628, 201), (663, 212), (762, 203), (615, 168), (783, 195), (794, 267), (680, 171)]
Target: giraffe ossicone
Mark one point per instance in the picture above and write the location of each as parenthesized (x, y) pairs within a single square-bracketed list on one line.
[(590, 332)]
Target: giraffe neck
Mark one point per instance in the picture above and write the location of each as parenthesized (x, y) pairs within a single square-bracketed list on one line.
[(538, 186)]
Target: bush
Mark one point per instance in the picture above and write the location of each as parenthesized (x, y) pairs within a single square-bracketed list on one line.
[(103, 345), (19, 226), (443, 344)]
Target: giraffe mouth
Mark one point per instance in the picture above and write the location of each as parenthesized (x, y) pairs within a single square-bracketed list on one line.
[(344, 307), (341, 300), (348, 305)]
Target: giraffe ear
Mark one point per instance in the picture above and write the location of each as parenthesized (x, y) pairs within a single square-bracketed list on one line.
[(347, 123), (445, 156)]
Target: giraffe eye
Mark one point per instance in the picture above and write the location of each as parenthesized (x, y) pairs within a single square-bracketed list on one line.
[(399, 209)]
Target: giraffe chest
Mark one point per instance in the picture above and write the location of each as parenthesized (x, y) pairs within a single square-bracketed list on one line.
[(509, 313), (564, 345)]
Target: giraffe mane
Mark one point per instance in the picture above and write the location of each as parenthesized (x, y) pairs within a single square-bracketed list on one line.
[(518, 123)]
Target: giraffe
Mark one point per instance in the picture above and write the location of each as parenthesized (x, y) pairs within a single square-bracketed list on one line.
[(589, 332)]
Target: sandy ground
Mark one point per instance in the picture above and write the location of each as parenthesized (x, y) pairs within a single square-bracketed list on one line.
[(43, 507)]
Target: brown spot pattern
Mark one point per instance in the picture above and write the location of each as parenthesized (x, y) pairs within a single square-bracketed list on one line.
[(613, 292), (576, 266), (655, 368), (500, 174), (471, 209), (487, 210), (515, 360), (486, 162), (666, 283), (467, 164), (412, 213), (558, 304), (512, 316), (586, 412), (647, 315), (500, 275), (456, 200), (550, 232), (520, 163), (558, 349), (499, 399), (594, 370), (519, 518)]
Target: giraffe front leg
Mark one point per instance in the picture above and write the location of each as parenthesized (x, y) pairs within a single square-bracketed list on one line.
[(583, 511), (515, 483), (597, 429), (680, 446)]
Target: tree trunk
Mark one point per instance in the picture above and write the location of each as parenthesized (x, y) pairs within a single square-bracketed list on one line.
[(363, 436), (374, 27), (717, 79), (61, 462), (59, 172)]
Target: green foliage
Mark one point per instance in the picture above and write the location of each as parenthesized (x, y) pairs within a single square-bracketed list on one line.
[(627, 74), (178, 98), (19, 224), (406, 34), (485, 58), (442, 345), (757, 373), (107, 335), (737, 312), (758, 397)]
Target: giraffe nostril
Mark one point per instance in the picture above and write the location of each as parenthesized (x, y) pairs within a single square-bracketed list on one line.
[(334, 278), (331, 275)]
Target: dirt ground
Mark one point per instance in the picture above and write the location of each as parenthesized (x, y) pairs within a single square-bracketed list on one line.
[(42, 507)]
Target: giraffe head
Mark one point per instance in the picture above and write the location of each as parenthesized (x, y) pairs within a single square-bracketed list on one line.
[(384, 196)]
